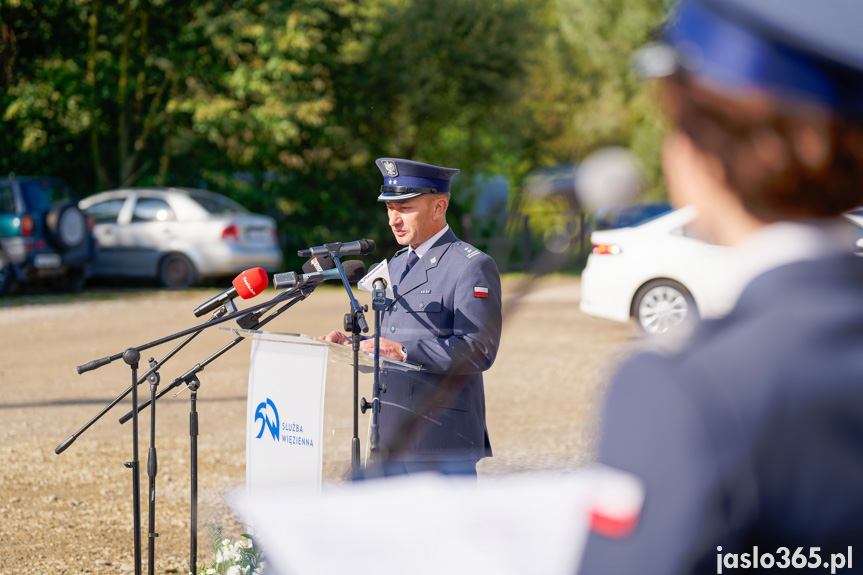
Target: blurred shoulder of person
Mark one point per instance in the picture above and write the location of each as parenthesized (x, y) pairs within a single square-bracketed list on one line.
[(749, 439)]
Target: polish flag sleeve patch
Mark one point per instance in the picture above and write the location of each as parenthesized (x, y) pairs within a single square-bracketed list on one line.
[(480, 291)]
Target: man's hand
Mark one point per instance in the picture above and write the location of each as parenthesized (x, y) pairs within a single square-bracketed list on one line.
[(337, 337), (389, 348)]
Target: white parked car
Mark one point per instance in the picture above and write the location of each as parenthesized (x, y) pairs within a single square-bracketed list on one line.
[(855, 216), (662, 275), (658, 273), (178, 235)]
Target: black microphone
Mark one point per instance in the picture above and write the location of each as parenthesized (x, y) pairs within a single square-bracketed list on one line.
[(319, 264), (379, 294), (356, 248), (246, 285), (354, 271)]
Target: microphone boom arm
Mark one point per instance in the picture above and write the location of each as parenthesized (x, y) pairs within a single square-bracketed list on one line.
[(210, 323), (299, 295), (141, 379)]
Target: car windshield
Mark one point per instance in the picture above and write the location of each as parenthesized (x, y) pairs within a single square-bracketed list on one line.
[(637, 215), (216, 204), (41, 195)]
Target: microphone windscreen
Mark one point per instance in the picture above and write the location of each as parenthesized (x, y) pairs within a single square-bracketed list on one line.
[(325, 263), (251, 282), (354, 270)]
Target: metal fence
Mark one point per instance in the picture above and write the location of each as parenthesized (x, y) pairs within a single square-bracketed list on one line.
[(525, 243)]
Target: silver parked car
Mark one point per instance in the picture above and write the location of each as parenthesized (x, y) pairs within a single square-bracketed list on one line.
[(178, 235)]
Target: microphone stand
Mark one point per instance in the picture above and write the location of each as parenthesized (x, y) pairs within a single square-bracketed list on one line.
[(152, 464), (352, 325), (131, 357), (152, 467), (355, 322), (379, 303), (249, 321)]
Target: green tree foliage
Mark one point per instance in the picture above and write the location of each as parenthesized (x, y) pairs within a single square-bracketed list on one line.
[(285, 104), (584, 93), (431, 80), (149, 90)]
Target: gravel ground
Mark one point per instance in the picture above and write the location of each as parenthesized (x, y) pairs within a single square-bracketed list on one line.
[(72, 513)]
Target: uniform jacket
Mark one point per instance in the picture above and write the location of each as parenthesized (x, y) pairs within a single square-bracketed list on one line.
[(752, 435), (454, 335)]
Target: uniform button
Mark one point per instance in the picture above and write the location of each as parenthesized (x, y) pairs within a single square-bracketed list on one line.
[(393, 329), (422, 305), (395, 307), (386, 372)]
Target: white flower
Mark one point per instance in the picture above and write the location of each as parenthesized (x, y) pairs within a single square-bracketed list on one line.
[(211, 571), (234, 570)]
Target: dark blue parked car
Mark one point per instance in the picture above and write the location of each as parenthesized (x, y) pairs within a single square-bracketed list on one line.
[(43, 235)]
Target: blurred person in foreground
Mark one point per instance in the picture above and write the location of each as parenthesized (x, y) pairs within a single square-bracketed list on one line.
[(749, 440), (446, 317)]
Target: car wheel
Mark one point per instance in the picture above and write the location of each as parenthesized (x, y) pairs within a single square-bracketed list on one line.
[(661, 306), (7, 275), (67, 226), (177, 271)]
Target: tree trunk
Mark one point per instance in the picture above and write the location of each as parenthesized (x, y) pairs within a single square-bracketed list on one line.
[(99, 169), (124, 128)]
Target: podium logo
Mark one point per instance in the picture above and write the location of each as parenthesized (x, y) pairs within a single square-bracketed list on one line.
[(269, 416)]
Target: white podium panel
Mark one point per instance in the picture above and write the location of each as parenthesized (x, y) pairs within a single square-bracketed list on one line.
[(284, 418)]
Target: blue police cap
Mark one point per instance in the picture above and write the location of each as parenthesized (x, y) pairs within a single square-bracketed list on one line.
[(799, 49), (406, 179)]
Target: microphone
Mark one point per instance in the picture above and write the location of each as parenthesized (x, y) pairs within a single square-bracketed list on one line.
[(246, 285), (319, 264), (354, 271), (378, 278), (356, 248), (250, 320)]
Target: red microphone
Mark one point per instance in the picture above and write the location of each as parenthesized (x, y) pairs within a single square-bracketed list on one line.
[(246, 285)]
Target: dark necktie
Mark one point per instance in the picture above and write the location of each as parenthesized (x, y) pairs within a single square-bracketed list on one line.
[(412, 259)]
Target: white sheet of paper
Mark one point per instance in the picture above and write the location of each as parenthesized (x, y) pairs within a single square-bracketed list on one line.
[(430, 524)]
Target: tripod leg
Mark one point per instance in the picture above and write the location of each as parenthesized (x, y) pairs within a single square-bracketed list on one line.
[(152, 470), (131, 357), (193, 443)]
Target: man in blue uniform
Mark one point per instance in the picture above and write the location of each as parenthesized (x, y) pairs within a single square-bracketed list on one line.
[(749, 440), (446, 317)]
